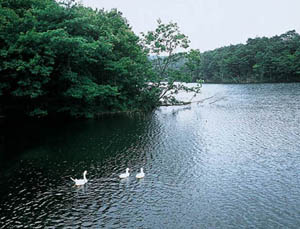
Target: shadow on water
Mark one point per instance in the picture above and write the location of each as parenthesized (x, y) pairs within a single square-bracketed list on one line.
[(80, 144), (65, 139), (19, 136), (38, 158)]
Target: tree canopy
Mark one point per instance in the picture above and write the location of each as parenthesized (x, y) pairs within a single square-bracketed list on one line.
[(63, 58), (168, 79)]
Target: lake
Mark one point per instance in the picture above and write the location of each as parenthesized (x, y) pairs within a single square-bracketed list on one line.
[(229, 161)]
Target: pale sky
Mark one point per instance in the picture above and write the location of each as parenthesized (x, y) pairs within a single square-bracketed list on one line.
[(210, 24)]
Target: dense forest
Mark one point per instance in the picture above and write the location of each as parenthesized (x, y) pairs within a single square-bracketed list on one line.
[(66, 59), (59, 58), (260, 60)]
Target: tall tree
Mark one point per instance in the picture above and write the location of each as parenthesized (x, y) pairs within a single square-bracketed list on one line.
[(163, 45)]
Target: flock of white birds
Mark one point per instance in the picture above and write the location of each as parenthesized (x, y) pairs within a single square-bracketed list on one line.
[(83, 181)]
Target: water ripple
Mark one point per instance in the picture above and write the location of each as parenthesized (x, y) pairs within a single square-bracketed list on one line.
[(229, 162)]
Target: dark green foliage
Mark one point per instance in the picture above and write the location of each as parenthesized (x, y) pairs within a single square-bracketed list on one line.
[(192, 65), (275, 59), (63, 58)]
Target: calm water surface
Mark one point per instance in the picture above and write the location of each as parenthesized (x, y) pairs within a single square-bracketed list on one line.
[(231, 161)]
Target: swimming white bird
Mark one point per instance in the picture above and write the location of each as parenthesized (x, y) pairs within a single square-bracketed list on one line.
[(81, 181), (125, 175), (141, 174)]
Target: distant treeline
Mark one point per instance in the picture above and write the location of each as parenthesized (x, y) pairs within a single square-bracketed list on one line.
[(275, 59)]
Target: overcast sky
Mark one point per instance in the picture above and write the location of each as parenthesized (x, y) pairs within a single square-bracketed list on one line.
[(210, 24)]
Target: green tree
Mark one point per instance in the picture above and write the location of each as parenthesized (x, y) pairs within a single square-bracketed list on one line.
[(163, 45)]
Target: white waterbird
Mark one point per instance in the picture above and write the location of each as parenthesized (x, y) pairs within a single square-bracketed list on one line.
[(125, 175), (81, 181), (141, 174)]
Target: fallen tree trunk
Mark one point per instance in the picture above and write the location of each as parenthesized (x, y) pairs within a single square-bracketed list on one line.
[(182, 103)]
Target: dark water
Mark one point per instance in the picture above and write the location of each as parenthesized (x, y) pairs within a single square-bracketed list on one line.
[(232, 161)]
